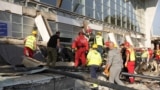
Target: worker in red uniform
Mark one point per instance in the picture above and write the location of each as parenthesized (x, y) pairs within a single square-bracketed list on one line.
[(157, 53), (90, 36), (80, 45), (150, 53), (130, 60), (30, 44)]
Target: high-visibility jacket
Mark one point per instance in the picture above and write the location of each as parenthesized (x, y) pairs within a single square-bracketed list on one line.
[(131, 54), (99, 40), (145, 54), (30, 42), (158, 54), (94, 58)]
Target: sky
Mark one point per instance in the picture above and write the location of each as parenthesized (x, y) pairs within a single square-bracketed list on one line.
[(156, 22)]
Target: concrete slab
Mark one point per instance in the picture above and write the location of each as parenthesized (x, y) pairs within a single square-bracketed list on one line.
[(37, 82)]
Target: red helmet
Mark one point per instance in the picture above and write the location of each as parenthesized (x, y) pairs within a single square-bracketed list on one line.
[(127, 44), (107, 44), (89, 31), (80, 33)]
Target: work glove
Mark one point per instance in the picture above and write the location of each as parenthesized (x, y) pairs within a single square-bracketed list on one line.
[(86, 51), (106, 72), (74, 49)]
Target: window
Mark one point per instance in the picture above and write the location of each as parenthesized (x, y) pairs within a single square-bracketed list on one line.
[(51, 2), (65, 29), (28, 21), (66, 4), (4, 16), (89, 3), (52, 25), (16, 18), (89, 12), (98, 15)]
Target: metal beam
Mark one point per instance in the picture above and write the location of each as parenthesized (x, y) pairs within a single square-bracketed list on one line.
[(142, 76), (59, 3), (92, 80)]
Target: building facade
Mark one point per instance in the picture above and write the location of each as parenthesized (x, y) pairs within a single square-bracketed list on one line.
[(119, 20)]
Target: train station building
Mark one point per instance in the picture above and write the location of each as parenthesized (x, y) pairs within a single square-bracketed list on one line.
[(119, 20)]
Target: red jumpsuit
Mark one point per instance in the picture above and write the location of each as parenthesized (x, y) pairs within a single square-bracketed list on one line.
[(81, 44), (158, 55), (130, 65), (150, 53)]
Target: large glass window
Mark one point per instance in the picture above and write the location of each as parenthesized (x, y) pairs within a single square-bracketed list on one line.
[(106, 3), (4, 16), (51, 2), (28, 24), (52, 25), (67, 4), (16, 18), (78, 7), (98, 15), (89, 3), (98, 11), (27, 30), (65, 29), (28, 21), (89, 12), (112, 5), (16, 25)]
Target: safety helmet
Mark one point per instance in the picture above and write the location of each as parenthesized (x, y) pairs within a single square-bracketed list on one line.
[(89, 30), (99, 33), (115, 45), (58, 32), (34, 32), (127, 44), (94, 46), (107, 44), (80, 33)]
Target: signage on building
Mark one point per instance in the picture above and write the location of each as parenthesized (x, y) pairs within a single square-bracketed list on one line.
[(3, 29)]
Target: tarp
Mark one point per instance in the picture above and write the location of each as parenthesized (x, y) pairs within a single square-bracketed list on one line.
[(13, 54)]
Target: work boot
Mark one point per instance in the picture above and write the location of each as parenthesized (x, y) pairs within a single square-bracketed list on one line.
[(94, 87)]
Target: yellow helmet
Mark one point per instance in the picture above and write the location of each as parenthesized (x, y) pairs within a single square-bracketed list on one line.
[(94, 46), (99, 33), (34, 32), (115, 45)]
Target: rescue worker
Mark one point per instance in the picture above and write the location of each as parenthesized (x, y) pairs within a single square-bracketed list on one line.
[(130, 60), (150, 53), (123, 53), (145, 55), (94, 61), (52, 49), (30, 44), (107, 46), (100, 42), (90, 36), (114, 64), (157, 53), (80, 45)]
